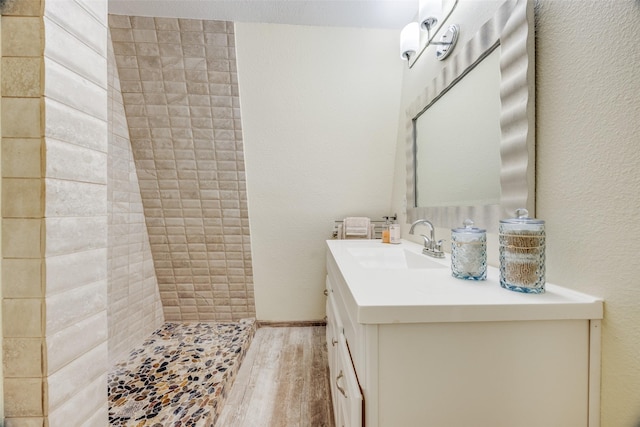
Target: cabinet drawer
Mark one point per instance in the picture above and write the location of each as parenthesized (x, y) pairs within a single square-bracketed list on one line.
[(348, 398)]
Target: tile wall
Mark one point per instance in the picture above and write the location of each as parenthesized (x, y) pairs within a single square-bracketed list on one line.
[(75, 210), (179, 85), (134, 308), (24, 345), (54, 209)]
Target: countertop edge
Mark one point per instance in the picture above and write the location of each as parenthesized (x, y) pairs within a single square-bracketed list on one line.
[(484, 313), (583, 307)]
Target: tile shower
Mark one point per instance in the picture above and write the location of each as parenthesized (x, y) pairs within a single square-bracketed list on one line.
[(123, 196), (180, 95), (176, 136)]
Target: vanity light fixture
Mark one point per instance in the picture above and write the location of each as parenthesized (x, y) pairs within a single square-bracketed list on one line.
[(409, 40), (429, 12), (432, 17), (447, 42)]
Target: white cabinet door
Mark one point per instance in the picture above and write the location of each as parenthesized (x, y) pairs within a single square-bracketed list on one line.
[(332, 350), (348, 398)]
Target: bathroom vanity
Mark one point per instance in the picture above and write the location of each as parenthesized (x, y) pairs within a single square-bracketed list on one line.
[(410, 345)]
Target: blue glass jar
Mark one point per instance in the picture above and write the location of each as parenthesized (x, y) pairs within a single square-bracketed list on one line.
[(469, 252), (522, 253)]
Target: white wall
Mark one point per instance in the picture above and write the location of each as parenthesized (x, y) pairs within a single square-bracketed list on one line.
[(588, 174), (588, 169), (319, 111)]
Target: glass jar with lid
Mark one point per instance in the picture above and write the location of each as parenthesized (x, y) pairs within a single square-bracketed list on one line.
[(469, 252), (522, 253)]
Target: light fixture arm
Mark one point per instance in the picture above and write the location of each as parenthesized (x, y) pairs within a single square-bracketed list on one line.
[(429, 24), (447, 42)]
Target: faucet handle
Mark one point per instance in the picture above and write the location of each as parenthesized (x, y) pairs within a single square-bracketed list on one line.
[(427, 240)]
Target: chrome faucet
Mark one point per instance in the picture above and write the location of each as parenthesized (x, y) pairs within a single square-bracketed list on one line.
[(431, 247)]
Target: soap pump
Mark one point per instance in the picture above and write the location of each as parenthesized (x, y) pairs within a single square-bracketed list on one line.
[(394, 231), (386, 230)]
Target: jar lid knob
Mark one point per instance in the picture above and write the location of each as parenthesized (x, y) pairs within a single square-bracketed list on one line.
[(468, 223), (522, 213)]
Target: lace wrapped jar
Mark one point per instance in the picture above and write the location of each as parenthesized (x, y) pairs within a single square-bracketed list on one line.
[(469, 252), (522, 253)]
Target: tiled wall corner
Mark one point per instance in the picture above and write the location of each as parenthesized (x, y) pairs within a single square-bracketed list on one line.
[(23, 353), (134, 306), (179, 85), (75, 209)]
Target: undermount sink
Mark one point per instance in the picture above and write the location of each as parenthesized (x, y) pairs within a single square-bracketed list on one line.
[(392, 258)]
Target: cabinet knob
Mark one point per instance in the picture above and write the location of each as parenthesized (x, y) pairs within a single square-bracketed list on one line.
[(334, 341), (326, 292)]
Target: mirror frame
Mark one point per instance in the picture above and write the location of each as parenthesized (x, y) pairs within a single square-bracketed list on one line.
[(511, 28)]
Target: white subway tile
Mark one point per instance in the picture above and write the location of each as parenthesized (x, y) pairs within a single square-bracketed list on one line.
[(73, 387), (100, 418), (66, 308), (75, 163), (97, 7), (89, 28), (74, 90), (76, 340), (73, 270), (85, 61), (64, 123), (65, 235), (70, 198)]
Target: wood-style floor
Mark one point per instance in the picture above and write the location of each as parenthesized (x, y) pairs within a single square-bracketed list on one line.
[(283, 381)]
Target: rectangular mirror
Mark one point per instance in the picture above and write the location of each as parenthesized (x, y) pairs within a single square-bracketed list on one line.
[(457, 138), (434, 151)]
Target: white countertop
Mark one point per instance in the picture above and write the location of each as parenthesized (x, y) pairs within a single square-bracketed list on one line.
[(401, 295)]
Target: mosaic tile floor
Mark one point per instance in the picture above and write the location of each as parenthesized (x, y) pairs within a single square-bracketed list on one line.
[(180, 376)]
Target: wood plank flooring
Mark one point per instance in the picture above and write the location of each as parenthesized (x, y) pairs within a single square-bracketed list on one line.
[(283, 381)]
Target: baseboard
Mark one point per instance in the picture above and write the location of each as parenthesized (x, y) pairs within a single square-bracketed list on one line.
[(297, 323)]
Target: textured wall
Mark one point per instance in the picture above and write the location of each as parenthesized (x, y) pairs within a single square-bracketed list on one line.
[(22, 214), (54, 212), (75, 182), (588, 174), (180, 92), (134, 308)]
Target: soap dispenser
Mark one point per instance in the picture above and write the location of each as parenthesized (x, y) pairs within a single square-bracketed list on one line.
[(386, 231), (394, 232)]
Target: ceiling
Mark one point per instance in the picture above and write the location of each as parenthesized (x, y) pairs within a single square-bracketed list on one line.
[(391, 14)]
